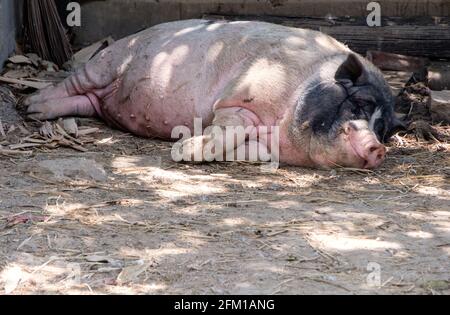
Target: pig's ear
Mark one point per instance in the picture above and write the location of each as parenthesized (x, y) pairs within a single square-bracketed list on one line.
[(351, 69)]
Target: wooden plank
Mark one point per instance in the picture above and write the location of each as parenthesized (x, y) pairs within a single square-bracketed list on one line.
[(428, 38), (426, 41), (319, 8), (396, 62)]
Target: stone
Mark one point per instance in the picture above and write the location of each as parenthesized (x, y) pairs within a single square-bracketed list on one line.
[(74, 168)]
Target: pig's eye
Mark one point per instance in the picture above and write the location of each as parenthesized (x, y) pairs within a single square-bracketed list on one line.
[(367, 106), (363, 108)]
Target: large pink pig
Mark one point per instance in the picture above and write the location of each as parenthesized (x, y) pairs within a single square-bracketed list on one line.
[(332, 106)]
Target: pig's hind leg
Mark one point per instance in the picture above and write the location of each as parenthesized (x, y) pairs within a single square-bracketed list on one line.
[(80, 93), (81, 82), (80, 106), (87, 105), (70, 98)]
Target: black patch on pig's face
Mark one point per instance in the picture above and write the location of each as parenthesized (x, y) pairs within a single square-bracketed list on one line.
[(353, 94)]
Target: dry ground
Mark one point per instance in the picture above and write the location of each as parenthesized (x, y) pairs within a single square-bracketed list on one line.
[(123, 218)]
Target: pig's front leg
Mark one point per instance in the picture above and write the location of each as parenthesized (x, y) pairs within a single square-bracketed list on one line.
[(230, 130)]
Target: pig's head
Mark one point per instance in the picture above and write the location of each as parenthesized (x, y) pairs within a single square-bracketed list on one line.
[(344, 114)]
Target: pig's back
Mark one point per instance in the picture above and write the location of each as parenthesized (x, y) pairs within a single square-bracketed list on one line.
[(176, 71)]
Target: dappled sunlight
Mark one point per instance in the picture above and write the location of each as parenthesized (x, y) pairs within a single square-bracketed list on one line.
[(54, 275), (442, 214), (200, 189), (213, 219), (147, 254), (348, 243), (152, 174), (234, 222), (57, 275), (214, 51), (327, 42), (218, 228), (107, 141), (153, 288), (367, 218), (63, 208), (215, 26), (264, 75), (122, 163), (419, 234), (434, 191), (133, 41), (188, 30), (126, 62), (163, 65), (295, 41)]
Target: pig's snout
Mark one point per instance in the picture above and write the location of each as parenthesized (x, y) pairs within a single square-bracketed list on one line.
[(374, 155), (366, 147)]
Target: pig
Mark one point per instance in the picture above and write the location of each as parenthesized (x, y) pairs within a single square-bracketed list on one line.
[(332, 107)]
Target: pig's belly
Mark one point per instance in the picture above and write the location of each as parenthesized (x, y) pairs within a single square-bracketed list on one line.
[(165, 85), (144, 118), (141, 105)]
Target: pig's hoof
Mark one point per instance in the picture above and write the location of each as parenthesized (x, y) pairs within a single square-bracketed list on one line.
[(29, 100), (40, 112)]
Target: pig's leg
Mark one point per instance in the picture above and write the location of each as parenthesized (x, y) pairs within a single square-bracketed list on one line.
[(80, 106), (81, 93), (194, 148), (86, 105), (83, 81)]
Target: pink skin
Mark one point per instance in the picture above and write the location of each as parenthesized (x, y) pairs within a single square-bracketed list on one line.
[(353, 148), (168, 75), (366, 146)]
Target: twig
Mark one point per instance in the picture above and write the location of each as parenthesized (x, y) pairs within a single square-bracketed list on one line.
[(14, 152)]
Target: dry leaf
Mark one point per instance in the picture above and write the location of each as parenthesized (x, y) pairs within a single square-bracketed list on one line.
[(36, 85), (20, 59)]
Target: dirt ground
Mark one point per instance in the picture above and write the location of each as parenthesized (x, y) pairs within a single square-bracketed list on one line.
[(123, 218)]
